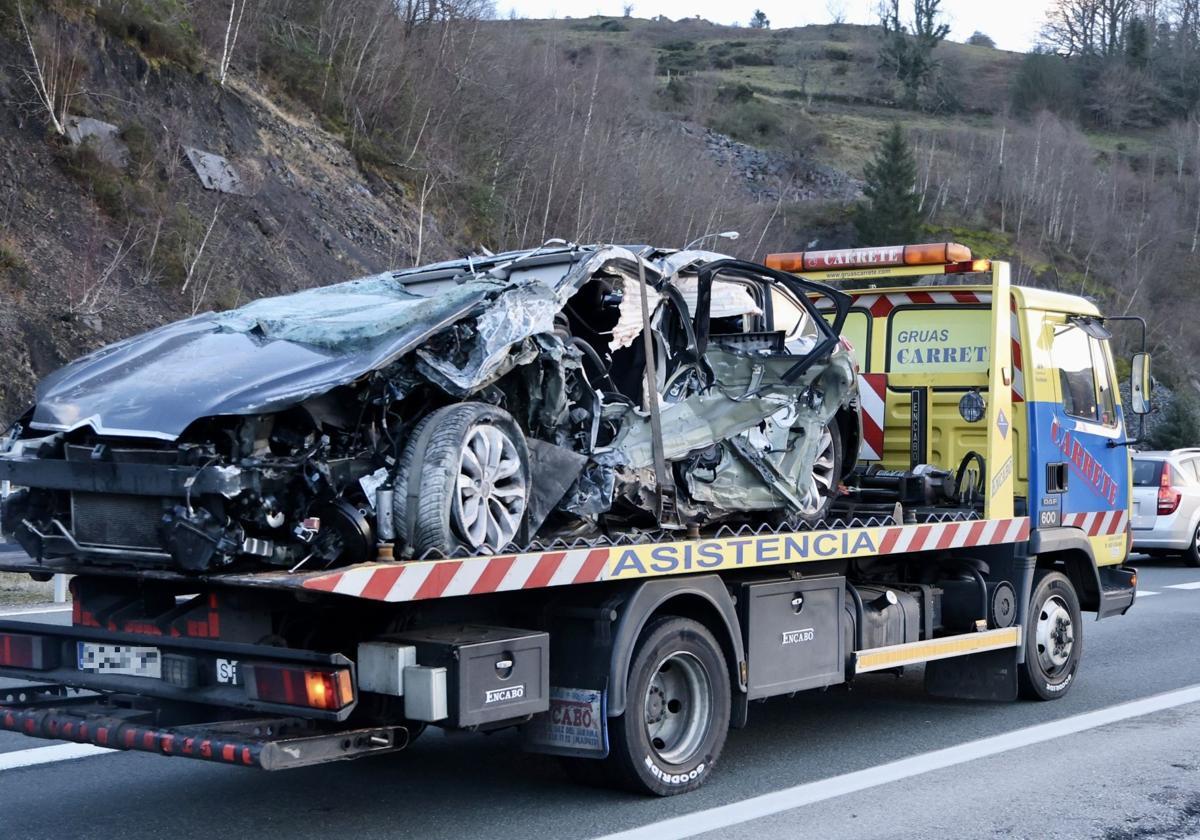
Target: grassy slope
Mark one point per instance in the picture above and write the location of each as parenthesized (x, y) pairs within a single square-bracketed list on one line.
[(823, 76)]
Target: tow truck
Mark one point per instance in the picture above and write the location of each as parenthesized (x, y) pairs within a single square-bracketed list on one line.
[(989, 510)]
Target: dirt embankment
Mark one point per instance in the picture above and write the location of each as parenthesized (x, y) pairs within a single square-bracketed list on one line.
[(91, 253)]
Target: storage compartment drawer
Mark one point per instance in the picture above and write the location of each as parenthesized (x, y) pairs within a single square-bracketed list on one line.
[(793, 634), (492, 673)]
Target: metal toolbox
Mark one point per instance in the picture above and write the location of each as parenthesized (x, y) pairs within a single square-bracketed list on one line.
[(793, 634), (493, 673)]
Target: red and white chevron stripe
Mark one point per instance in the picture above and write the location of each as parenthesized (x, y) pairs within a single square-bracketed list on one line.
[(1018, 383), (900, 539), (872, 399), (421, 580), (880, 305), (1098, 522)]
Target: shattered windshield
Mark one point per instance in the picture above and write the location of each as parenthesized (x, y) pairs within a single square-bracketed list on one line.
[(348, 314)]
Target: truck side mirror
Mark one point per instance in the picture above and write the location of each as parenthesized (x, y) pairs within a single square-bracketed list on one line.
[(1139, 383)]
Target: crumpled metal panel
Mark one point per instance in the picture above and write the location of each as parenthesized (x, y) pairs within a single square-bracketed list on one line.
[(514, 315), (215, 172)]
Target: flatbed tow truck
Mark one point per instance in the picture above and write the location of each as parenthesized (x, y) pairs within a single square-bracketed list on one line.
[(989, 509)]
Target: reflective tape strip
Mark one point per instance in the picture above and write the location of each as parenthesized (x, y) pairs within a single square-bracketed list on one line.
[(417, 580), (910, 653), (881, 305), (1098, 523), (872, 398), (1018, 382)]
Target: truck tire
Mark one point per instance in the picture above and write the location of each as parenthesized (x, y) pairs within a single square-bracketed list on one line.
[(677, 714), (473, 490), (1053, 638)]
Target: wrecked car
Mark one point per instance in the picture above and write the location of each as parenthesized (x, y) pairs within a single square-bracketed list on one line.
[(447, 410)]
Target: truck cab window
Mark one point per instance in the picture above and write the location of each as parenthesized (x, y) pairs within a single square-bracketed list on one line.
[(1072, 356), (1106, 402)]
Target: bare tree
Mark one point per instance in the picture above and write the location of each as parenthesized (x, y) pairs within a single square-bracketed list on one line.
[(232, 28), (54, 75)]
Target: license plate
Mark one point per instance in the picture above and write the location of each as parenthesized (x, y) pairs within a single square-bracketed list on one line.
[(121, 660), (574, 725)]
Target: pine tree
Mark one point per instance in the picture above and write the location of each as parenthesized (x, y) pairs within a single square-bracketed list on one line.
[(890, 215)]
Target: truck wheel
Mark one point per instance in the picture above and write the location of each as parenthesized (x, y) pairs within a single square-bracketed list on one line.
[(1053, 638), (474, 482), (677, 710), (822, 486)]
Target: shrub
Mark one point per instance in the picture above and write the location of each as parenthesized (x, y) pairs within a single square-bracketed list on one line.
[(751, 58), (752, 121), (740, 92), (1045, 82), (155, 28)]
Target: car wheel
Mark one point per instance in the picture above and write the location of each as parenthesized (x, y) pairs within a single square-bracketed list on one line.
[(1191, 557), (822, 485), (1053, 638), (473, 489), (677, 710)]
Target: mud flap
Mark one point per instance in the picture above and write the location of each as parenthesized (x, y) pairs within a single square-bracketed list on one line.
[(981, 676)]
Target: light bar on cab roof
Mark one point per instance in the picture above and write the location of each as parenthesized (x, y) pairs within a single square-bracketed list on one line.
[(887, 256)]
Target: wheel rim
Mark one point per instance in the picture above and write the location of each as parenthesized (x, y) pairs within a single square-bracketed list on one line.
[(678, 707), (820, 484), (1055, 635), (490, 498)]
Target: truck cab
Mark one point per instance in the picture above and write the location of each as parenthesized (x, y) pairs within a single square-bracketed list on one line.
[(923, 338)]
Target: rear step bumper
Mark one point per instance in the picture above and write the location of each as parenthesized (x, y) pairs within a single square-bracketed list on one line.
[(265, 743)]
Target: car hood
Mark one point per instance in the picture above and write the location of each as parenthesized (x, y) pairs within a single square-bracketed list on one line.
[(261, 357)]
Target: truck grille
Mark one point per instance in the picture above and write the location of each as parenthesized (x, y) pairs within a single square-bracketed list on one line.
[(116, 521)]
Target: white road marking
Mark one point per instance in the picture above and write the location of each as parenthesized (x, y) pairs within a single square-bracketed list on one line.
[(1146, 593), (34, 611), (47, 755), (1193, 585), (736, 813)]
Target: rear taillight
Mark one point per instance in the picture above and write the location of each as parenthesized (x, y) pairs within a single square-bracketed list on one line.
[(1168, 496), (18, 650), (316, 688)]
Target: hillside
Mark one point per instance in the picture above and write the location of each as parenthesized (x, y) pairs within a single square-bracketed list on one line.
[(365, 139)]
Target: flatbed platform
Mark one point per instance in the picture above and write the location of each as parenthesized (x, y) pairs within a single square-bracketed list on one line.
[(597, 560)]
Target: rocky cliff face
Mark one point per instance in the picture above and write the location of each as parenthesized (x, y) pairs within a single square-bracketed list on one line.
[(91, 252)]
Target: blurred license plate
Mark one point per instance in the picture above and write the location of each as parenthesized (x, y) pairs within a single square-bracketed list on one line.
[(124, 660)]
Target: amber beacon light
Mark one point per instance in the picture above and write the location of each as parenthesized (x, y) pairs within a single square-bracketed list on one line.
[(886, 256)]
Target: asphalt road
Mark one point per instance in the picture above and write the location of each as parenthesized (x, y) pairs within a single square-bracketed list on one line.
[(905, 765)]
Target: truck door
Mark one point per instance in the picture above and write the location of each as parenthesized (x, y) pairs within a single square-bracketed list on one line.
[(1081, 478)]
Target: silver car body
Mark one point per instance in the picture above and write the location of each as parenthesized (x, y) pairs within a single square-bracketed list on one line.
[(1176, 531)]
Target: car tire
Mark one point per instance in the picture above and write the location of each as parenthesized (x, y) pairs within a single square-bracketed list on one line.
[(1053, 638), (472, 492), (1191, 557), (827, 474), (677, 710)]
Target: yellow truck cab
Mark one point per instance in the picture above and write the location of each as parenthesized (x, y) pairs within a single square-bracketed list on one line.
[(931, 351)]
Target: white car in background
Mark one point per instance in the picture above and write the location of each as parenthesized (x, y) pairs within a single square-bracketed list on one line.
[(1166, 503)]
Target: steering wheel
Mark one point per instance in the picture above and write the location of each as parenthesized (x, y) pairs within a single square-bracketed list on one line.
[(970, 481)]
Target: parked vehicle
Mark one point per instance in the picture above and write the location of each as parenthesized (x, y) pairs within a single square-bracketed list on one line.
[(1166, 503), (985, 511)]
